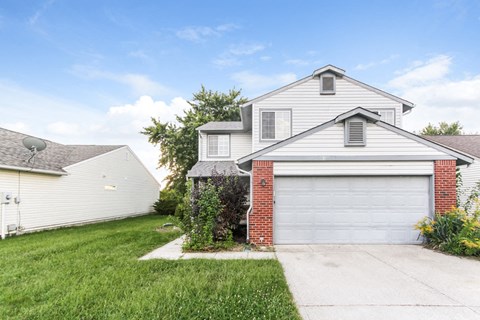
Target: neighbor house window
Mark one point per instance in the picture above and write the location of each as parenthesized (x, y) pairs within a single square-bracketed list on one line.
[(219, 145), (327, 84), (275, 125)]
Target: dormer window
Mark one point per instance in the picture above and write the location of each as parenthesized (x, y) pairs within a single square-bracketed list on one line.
[(355, 132), (327, 83)]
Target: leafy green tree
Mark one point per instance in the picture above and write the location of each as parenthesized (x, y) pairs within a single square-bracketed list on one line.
[(443, 129), (179, 143)]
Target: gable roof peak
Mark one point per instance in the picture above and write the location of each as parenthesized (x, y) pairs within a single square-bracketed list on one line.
[(358, 112), (328, 68)]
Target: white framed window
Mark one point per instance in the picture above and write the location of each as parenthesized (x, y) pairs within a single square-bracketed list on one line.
[(386, 115), (275, 124), (327, 83), (218, 145)]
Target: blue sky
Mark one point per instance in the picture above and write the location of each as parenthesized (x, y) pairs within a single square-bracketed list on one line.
[(96, 71)]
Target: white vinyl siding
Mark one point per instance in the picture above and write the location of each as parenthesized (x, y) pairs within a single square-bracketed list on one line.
[(275, 125), (330, 141), (470, 177), (219, 145), (353, 168), (50, 201), (309, 108), (240, 145)]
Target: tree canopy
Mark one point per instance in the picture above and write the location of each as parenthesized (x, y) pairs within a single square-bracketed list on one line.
[(443, 129), (179, 143)]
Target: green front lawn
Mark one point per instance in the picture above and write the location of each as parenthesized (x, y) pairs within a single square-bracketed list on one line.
[(92, 272)]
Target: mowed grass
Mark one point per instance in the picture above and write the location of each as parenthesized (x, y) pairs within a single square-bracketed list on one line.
[(92, 272)]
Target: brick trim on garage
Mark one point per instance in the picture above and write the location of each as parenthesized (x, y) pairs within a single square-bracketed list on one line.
[(261, 218), (445, 185)]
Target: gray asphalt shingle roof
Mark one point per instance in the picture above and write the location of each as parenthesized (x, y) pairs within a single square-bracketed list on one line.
[(54, 158), (205, 168), (465, 143), (222, 125)]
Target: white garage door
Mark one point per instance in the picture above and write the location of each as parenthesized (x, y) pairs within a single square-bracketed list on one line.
[(349, 209)]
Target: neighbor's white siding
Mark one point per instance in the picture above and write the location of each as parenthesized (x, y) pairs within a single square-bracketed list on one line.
[(310, 108), (470, 177), (50, 201), (353, 168), (240, 145), (330, 141)]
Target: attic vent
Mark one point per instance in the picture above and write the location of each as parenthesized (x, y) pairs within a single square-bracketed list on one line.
[(355, 132), (327, 84)]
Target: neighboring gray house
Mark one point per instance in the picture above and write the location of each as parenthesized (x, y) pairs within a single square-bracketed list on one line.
[(70, 184), (470, 145), (329, 163)]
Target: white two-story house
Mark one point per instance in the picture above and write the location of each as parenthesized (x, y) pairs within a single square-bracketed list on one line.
[(328, 162)]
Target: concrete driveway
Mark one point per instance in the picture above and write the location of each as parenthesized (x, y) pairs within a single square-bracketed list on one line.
[(380, 282)]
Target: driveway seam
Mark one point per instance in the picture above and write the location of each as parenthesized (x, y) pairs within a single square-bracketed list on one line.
[(420, 281)]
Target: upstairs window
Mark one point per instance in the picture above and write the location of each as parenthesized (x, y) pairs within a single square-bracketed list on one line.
[(387, 115), (327, 84), (275, 125), (355, 132), (219, 145)]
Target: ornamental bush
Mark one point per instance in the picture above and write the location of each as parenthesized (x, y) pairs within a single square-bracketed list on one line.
[(455, 231), (211, 211), (167, 203)]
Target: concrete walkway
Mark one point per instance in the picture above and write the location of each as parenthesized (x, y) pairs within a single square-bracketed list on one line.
[(173, 251)]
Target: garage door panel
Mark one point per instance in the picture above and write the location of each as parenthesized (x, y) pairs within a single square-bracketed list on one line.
[(349, 209)]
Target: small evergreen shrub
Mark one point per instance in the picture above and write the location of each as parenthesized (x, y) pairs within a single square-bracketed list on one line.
[(167, 203)]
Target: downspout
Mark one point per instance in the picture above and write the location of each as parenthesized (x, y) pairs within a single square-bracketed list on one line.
[(249, 210)]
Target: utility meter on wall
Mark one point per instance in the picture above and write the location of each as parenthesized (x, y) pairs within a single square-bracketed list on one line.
[(6, 197)]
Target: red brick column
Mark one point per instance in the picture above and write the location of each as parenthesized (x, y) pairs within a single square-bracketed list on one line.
[(445, 185), (261, 218)]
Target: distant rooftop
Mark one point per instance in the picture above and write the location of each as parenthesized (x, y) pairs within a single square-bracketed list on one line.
[(53, 159), (465, 143)]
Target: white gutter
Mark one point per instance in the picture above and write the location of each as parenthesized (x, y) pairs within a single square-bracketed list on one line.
[(56, 173), (249, 210)]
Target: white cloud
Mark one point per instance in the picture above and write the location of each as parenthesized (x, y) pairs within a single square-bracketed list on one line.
[(140, 84), (437, 96), (64, 128), (425, 73), (365, 66), (231, 56), (254, 83), (32, 21), (245, 49), (70, 123), (298, 62), (202, 33), (226, 61)]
